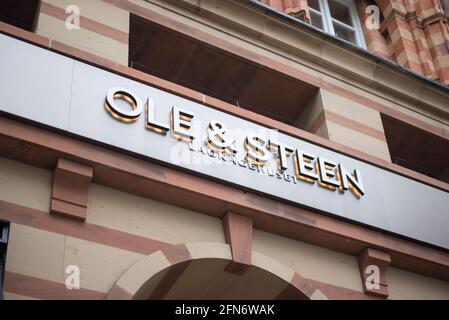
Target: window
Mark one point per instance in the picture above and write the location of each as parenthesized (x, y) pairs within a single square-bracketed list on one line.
[(4, 227), (426, 154), (339, 18), (192, 63), (20, 13), (3, 233)]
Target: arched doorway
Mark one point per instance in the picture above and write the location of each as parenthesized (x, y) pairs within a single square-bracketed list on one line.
[(198, 271)]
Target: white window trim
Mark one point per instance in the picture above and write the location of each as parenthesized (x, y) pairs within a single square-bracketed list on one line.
[(327, 20)]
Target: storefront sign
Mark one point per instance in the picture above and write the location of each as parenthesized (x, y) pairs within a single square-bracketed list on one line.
[(222, 144), (132, 117)]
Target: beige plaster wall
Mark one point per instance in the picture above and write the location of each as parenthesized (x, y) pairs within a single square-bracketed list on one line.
[(310, 261), (152, 219), (407, 285), (25, 185), (45, 255)]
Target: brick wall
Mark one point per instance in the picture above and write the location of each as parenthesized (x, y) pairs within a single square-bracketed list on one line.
[(413, 33)]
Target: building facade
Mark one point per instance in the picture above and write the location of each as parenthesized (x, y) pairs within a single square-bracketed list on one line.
[(224, 149)]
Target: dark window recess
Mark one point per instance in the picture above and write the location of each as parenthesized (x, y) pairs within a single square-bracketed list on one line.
[(20, 13), (184, 60), (4, 230), (417, 149), (446, 7)]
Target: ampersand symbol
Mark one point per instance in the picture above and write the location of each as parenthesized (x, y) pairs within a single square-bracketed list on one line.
[(219, 139)]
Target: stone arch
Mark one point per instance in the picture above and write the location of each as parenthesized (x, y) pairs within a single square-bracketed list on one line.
[(143, 279)]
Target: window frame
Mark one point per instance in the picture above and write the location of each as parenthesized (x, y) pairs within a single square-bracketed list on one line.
[(328, 21), (4, 230)]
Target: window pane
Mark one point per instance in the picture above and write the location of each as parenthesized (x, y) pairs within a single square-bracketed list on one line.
[(345, 33), (20, 13), (317, 20), (340, 12), (315, 4)]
